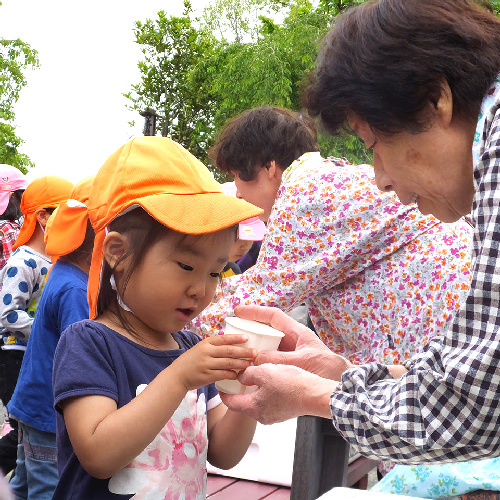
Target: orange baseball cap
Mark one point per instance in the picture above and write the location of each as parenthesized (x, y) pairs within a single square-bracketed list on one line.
[(66, 227), (43, 192), (170, 184)]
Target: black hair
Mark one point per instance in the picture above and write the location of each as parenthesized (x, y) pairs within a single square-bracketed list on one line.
[(13, 210)]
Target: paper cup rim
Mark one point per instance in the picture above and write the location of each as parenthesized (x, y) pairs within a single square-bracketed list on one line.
[(249, 326)]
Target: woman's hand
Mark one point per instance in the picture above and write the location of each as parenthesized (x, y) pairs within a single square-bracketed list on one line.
[(214, 358), (299, 347), (283, 392)]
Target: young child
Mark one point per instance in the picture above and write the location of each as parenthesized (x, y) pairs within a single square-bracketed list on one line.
[(12, 186), (249, 231), (69, 240), (138, 411), (21, 280)]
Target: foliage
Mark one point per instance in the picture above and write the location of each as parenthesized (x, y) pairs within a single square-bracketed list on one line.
[(9, 145), (172, 47), (271, 70), (15, 57), (196, 81), (334, 7)]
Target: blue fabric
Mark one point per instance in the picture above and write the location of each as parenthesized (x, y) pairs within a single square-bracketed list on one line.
[(441, 480), (36, 468), (63, 302), (94, 359)]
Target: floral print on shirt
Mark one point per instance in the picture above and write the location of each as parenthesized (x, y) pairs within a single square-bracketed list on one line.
[(173, 465), (373, 272)]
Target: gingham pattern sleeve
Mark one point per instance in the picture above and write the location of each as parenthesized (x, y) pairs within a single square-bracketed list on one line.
[(447, 407)]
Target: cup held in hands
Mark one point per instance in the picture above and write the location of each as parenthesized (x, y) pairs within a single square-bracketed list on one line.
[(260, 337)]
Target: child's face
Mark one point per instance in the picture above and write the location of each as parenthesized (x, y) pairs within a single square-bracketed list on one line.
[(239, 248), (177, 279)]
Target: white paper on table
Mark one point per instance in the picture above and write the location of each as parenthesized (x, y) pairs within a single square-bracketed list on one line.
[(353, 494), (269, 458)]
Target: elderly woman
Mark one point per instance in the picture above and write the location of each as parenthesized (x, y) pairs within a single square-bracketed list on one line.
[(417, 82)]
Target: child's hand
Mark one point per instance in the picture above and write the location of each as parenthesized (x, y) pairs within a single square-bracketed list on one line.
[(214, 358)]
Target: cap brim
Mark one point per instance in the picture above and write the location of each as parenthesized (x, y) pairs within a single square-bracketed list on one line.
[(198, 213), (4, 201)]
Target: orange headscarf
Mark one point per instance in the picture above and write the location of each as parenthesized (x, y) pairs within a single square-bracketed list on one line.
[(66, 227), (43, 192)]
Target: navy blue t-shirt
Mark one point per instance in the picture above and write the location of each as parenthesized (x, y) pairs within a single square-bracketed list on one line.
[(94, 359)]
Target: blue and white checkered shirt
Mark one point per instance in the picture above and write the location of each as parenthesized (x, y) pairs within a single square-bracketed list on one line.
[(447, 407)]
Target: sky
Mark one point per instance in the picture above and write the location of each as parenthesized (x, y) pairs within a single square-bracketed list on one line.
[(72, 114)]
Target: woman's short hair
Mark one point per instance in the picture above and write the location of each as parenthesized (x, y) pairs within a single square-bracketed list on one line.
[(386, 61), (260, 135)]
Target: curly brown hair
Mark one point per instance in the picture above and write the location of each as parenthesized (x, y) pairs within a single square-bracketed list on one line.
[(260, 135)]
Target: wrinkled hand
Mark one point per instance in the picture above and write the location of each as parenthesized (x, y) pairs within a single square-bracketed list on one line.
[(283, 392), (299, 347), (214, 358)]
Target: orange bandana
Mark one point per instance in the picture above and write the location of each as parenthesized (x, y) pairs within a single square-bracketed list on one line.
[(66, 227), (43, 192)]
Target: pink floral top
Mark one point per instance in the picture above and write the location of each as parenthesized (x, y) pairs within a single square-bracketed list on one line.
[(373, 272)]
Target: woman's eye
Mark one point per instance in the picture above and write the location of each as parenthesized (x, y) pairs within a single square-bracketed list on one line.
[(215, 275), (185, 266)]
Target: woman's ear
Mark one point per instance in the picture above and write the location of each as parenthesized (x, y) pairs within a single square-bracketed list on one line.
[(115, 248), (274, 171), (444, 105)]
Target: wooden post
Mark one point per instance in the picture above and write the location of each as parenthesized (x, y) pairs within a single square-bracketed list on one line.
[(149, 121), (321, 459)]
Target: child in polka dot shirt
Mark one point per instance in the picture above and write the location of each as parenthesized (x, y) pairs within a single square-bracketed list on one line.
[(24, 274), (21, 283)]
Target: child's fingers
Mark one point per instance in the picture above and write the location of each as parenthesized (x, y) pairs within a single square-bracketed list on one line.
[(229, 339), (226, 346), (231, 364)]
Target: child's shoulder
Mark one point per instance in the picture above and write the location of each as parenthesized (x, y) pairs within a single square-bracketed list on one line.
[(85, 329), (27, 257)]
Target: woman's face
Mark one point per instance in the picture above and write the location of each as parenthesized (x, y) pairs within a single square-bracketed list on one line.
[(431, 168)]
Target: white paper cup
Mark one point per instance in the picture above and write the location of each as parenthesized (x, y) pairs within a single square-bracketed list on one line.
[(260, 337)]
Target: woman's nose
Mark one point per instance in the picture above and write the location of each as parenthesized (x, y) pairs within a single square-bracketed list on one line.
[(382, 180)]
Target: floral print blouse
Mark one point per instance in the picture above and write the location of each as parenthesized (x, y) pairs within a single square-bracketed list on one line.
[(379, 278)]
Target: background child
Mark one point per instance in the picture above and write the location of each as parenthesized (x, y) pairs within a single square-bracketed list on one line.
[(249, 231), (21, 280), (163, 234), (69, 239), (12, 186)]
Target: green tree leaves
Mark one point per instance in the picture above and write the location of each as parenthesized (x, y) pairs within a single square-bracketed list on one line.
[(15, 57), (198, 73), (172, 48)]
